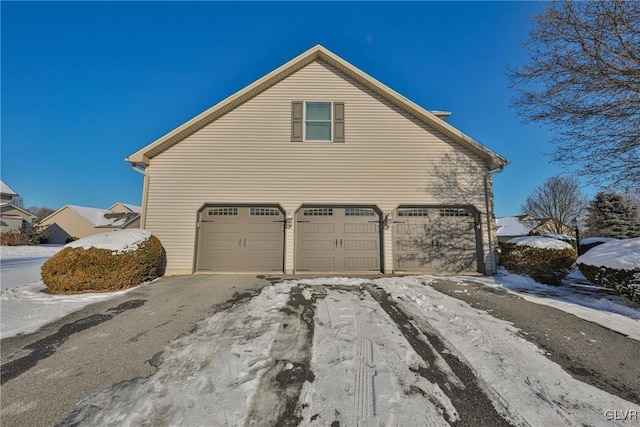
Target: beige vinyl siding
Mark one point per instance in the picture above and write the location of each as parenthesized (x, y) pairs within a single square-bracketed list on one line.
[(247, 156)]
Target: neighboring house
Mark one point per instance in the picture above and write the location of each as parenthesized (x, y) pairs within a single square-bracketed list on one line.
[(81, 221), (509, 227), (12, 218), (318, 167)]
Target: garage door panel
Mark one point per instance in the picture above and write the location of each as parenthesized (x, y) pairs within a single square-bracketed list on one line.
[(362, 228), (264, 245), (337, 239), (266, 227), (262, 262), (319, 263), (319, 245), (361, 263), (361, 245), (316, 228), (221, 245), (222, 262), (241, 239), (435, 240)]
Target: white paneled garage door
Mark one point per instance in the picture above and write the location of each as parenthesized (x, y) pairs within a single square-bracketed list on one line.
[(241, 239), (435, 240), (338, 239)]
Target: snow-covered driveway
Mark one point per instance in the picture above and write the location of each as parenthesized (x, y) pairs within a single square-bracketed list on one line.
[(353, 352)]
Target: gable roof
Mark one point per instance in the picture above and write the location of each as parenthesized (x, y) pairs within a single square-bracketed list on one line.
[(12, 206), (318, 52), (5, 189), (132, 208)]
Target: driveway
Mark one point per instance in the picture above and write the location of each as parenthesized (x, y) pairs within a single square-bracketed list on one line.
[(246, 350)]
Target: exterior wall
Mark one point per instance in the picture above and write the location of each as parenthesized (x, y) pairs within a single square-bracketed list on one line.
[(10, 224), (11, 219), (388, 159), (6, 198)]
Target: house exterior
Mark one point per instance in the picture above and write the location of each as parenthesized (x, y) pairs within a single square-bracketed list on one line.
[(13, 219), (318, 167), (509, 227), (72, 221)]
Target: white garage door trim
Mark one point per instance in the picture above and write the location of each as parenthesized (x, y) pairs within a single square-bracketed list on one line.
[(338, 239), (240, 238), (437, 239)]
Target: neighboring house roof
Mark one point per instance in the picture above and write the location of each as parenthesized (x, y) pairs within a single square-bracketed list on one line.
[(318, 52), (5, 189), (11, 205), (100, 217), (519, 225), (132, 208)]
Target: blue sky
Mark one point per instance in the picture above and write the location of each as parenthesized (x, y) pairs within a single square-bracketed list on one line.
[(85, 84)]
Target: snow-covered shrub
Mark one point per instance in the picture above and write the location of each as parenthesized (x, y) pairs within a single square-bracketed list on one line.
[(592, 242), (614, 265), (104, 262), (543, 259)]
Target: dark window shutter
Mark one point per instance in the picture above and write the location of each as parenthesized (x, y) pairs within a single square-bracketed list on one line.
[(338, 122), (296, 121)]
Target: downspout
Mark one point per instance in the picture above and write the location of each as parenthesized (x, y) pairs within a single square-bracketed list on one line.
[(489, 211), (143, 171)]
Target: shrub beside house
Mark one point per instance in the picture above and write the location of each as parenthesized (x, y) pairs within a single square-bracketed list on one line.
[(544, 259), (104, 262)]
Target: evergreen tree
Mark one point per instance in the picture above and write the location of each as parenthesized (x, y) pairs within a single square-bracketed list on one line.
[(613, 215)]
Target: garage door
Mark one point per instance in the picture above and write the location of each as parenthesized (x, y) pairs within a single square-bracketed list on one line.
[(338, 239), (434, 240), (241, 239)]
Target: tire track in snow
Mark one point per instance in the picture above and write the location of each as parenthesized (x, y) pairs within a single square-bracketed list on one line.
[(472, 403), (276, 401), (364, 400)]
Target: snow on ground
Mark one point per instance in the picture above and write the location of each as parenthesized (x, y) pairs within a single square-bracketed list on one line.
[(42, 251), (21, 264), (590, 303), (364, 372), (116, 241), (619, 255), (24, 307)]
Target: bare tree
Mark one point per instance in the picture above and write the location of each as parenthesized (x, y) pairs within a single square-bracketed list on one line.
[(40, 211), (559, 199), (583, 78)]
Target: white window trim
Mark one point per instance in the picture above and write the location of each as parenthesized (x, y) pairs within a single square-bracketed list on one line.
[(304, 122)]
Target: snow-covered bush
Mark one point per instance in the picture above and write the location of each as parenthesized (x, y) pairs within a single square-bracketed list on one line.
[(104, 262), (592, 242), (614, 265), (543, 259)]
